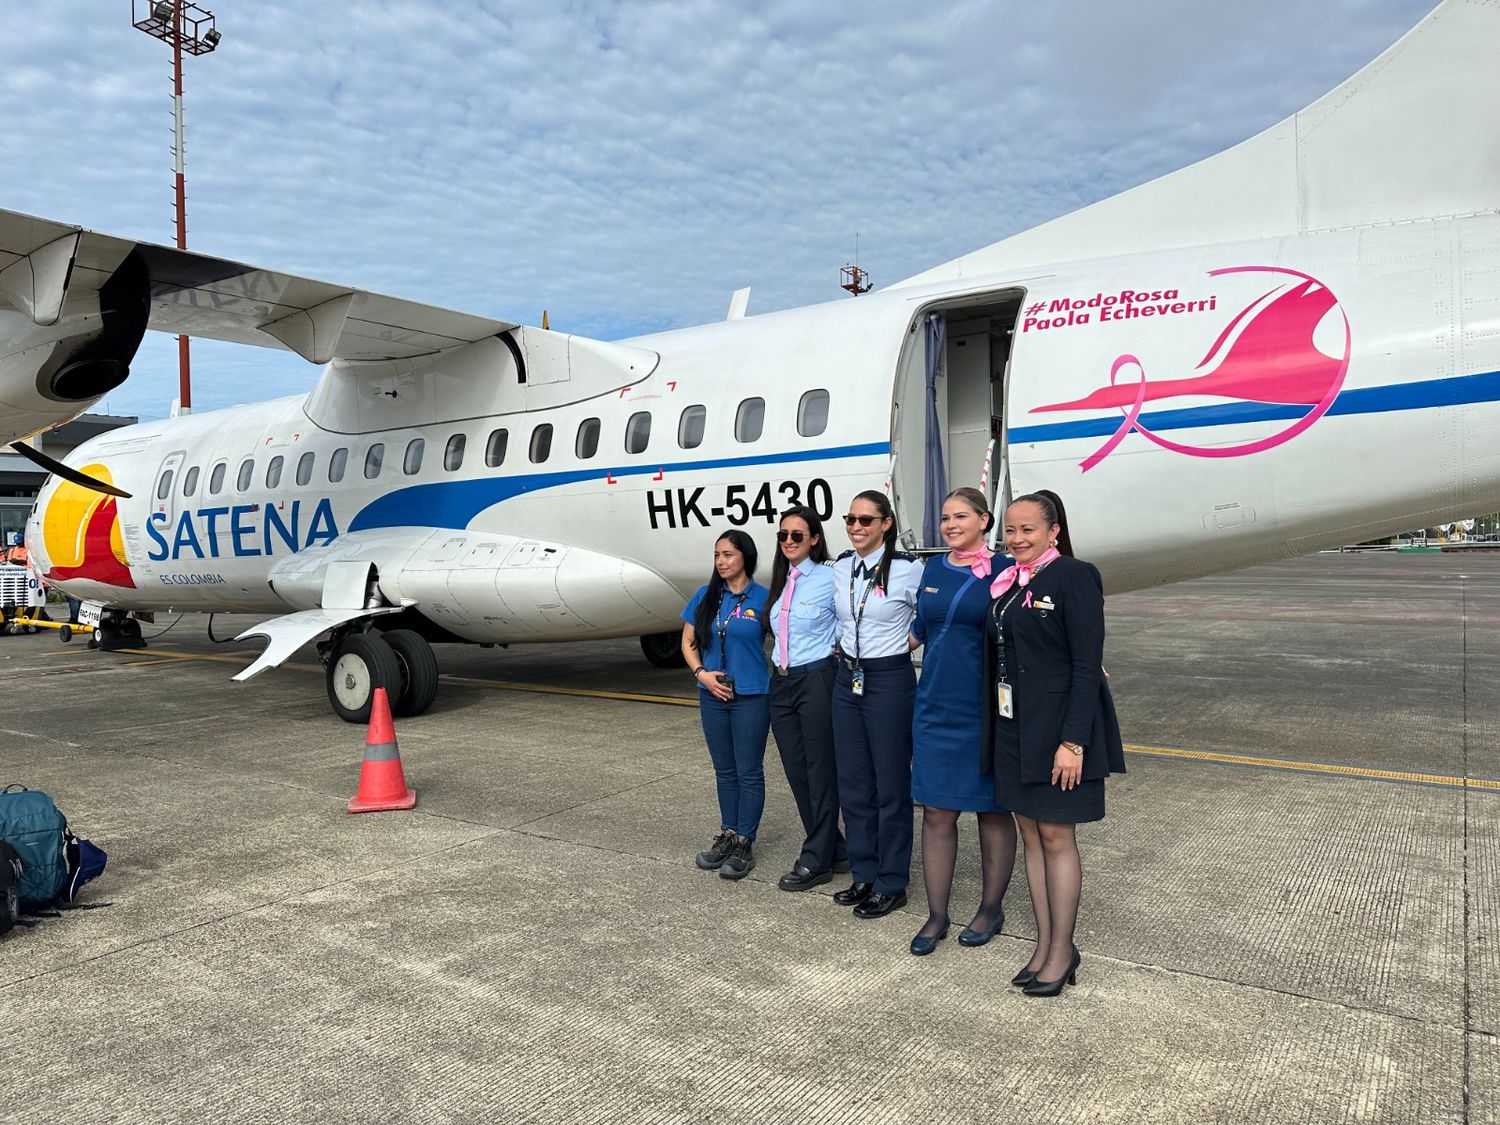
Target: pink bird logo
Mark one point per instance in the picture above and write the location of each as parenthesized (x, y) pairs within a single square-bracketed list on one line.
[(1265, 354)]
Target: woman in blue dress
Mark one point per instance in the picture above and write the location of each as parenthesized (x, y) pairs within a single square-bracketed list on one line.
[(946, 726)]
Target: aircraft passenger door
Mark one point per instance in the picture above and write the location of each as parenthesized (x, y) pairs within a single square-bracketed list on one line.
[(166, 492)]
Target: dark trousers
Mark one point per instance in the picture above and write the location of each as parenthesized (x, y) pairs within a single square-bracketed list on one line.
[(872, 744), (802, 720), (736, 733)]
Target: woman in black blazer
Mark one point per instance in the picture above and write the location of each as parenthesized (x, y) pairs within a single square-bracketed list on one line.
[(1052, 735)]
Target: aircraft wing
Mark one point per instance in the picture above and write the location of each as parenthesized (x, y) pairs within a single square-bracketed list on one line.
[(44, 263)]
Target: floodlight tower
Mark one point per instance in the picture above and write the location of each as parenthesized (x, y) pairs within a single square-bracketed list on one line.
[(185, 27)]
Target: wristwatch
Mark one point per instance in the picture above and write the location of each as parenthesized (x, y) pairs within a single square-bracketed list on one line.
[(1074, 747)]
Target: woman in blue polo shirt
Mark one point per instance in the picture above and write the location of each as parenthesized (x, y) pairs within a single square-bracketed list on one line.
[(723, 645)]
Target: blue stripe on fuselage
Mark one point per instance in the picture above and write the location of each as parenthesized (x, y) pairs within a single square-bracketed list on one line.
[(1367, 400), (455, 503)]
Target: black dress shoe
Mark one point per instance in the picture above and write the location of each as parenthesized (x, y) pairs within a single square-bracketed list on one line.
[(854, 894), (878, 906), (801, 878), (1039, 987)]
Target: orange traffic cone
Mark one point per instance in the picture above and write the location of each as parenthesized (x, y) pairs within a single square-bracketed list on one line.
[(382, 782)]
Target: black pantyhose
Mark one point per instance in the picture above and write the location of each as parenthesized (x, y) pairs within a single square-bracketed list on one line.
[(1055, 872), (939, 850), (997, 855)]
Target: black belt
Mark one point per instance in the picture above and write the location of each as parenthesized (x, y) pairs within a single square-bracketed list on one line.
[(801, 669), (874, 664)]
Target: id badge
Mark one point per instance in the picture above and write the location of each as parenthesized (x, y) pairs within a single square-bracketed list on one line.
[(857, 683), (1005, 700)]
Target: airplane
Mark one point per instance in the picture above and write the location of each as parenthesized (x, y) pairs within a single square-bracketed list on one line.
[(1292, 344)]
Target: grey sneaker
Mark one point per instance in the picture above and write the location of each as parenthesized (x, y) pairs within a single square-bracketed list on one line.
[(740, 863), (718, 851)]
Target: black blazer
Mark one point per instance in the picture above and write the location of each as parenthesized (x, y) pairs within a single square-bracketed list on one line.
[(1060, 691)]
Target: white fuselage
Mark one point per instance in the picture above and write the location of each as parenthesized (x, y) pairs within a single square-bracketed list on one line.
[(1371, 406)]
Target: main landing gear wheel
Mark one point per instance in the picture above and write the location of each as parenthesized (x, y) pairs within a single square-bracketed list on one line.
[(360, 663), (419, 671), (663, 650)]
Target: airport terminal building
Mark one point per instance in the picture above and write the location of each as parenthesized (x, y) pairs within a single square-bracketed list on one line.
[(20, 480)]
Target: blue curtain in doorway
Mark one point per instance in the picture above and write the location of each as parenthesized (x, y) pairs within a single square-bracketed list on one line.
[(936, 477)]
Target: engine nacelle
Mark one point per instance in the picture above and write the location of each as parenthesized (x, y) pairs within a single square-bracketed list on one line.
[(50, 373)]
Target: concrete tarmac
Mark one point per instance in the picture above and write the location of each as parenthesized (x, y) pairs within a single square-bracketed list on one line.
[(1289, 914)]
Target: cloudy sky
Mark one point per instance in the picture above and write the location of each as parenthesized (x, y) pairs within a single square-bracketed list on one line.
[(628, 165)]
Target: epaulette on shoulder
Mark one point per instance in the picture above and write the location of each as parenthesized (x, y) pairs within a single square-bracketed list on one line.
[(845, 555), (907, 555)]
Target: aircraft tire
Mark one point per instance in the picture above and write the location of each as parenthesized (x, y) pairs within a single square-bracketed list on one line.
[(360, 663), (419, 671), (663, 650)]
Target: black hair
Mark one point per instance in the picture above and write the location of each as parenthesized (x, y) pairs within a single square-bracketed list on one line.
[(708, 608), (779, 567), (882, 504), (1053, 513)]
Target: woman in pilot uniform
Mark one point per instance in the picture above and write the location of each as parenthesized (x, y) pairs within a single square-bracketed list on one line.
[(722, 644), (800, 621), (946, 729), (875, 593), (1054, 737)]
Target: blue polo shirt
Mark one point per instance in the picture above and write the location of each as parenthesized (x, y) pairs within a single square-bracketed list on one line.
[(742, 654)]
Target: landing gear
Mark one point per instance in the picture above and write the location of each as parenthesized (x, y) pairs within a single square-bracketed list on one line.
[(663, 650), (358, 664), (117, 630), (401, 661), (419, 672)]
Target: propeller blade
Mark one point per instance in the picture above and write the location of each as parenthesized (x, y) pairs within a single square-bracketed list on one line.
[(59, 469)]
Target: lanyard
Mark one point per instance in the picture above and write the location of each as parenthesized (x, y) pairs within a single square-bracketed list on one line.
[(722, 625), (997, 611), (859, 614)]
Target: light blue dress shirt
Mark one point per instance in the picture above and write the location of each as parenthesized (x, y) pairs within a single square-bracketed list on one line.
[(811, 623), (887, 616)]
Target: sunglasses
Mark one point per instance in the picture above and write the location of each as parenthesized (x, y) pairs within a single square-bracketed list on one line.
[(864, 521), (790, 536)]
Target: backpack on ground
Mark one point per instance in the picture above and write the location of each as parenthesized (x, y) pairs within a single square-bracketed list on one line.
[(10, 888), (55, 864)]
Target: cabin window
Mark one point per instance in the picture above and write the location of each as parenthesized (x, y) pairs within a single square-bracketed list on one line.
[(216, 478), (638, 432), (690, 427), (812, 413), (453, 456), (305, 467), (247, 471), (164, 486), (273, 471), (587, 442), (541, 443), (413, 463), (374, 459), (750, 419), (190, 481), (494, 449), (337, 463)]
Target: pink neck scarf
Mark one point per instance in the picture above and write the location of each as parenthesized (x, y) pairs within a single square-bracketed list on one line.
[(977, 560), (1021, 575)]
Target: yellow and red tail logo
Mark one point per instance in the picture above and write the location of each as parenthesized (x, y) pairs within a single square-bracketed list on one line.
[(81, 534)]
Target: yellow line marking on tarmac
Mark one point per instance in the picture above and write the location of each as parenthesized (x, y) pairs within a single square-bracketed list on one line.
[(148, 663), (592, 693), (681, 701), (1317, 767)]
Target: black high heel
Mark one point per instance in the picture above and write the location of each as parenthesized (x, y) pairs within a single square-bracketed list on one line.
[(1055, 987), (1023, 978)]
